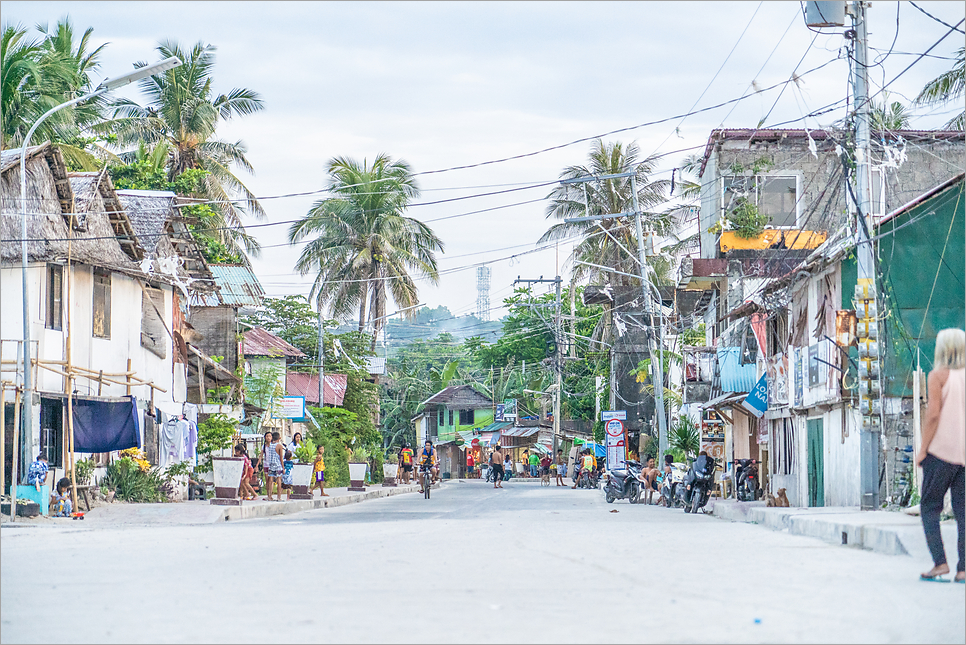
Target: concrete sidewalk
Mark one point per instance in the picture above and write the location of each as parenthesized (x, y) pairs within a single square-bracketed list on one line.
[(203, 512), (888, 532)]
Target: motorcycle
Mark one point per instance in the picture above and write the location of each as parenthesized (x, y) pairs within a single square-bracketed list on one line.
[(624, 483), (696, 490), (746, 480), (586, 478), (671, 484)]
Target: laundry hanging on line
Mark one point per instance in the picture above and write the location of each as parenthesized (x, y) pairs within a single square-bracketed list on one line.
[(106, 425), (177, 439)]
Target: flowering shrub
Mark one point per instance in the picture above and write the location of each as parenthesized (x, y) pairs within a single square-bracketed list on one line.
[(138, 457)]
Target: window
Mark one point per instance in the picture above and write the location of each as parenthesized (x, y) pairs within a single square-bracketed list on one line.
[(776, 197), (55, 296), (466, 417), (52, 431), (153, 331), (450, 417), (102, 303)]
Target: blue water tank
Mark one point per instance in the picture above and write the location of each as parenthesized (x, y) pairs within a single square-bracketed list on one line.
[(825, 14)]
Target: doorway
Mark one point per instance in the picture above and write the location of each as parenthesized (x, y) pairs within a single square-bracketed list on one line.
[(816, 462)]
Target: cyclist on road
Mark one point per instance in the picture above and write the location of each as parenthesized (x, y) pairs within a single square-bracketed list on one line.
[(428, 458)]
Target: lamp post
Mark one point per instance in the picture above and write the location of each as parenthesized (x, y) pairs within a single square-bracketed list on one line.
[(106, 85)]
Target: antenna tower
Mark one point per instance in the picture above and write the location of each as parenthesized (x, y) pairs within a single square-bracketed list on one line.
[(483, 293)]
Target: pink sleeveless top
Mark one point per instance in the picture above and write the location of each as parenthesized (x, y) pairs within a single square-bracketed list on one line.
[(949, 444)]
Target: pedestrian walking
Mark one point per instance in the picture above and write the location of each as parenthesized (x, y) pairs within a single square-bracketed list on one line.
[(245, 490), (496, 465), (507, 467), (470, 463), (561, 467), (942, 455), (274, 467), (406, 458)]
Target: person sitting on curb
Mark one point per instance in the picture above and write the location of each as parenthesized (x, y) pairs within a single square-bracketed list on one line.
[(60, 504), (37, 473)]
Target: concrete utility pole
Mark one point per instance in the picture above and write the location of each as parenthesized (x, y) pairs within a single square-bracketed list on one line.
[(657, 369), (865, 305)]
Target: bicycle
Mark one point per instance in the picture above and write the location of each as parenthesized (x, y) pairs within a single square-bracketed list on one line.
[(427, 480)]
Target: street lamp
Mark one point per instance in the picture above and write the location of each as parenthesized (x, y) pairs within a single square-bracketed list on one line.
[(106, 85)]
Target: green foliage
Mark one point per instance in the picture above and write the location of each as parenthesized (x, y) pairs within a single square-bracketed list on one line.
[(305, 452), (359, 455), (178, 469), (947, 87), (217, 432), (290, 318), (84, 470), (685, 437), (262, 387), (746, 220), (694, 336), (131, 484)]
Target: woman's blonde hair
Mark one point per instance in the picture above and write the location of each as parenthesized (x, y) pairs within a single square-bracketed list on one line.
[(950, 349)]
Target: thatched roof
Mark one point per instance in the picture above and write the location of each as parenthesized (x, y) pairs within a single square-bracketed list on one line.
[(94, 192), (50, 210), (159, 227)]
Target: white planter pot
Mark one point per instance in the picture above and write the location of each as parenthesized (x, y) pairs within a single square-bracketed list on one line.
[(301, 480), (302, 474), (357, 476), (390, 470), (227, 473)]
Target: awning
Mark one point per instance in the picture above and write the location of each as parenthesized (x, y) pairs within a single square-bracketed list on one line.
[(727, 399), (521, 431), (539, 447)]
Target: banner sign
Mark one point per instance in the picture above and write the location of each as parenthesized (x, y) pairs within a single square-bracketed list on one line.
[(613, 414), (500, 409), (509, 409), (290, 407), (615, 444), (757, 400)]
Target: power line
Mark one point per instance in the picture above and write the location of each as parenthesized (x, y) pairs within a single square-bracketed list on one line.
[(942, 22)]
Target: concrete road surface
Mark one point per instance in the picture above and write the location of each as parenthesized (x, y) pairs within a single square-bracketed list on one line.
[(525, 564)]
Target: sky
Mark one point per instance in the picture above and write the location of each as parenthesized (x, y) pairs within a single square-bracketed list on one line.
[(445, 84)]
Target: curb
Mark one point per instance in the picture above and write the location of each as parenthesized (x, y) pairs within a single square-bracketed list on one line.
[(835, 525), (289, 507)]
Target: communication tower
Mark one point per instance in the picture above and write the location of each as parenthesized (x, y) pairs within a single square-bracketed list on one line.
[(483, 293)]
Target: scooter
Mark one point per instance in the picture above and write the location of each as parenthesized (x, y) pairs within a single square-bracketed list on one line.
[(697, 483), (586, 478), (624, 483), (671, 484), (746, 480)]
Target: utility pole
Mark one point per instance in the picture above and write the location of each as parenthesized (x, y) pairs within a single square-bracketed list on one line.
[(866, 310), (558, 358), (321, 358), (657, 368)]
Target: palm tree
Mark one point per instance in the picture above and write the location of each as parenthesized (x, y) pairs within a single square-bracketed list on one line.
[(182, 113), (603, 197), (685, 437), (947, 87), (889, 116), (32, 82), (364, 246)]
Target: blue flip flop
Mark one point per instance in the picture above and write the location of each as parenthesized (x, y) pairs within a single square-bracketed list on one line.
[(938, 578)]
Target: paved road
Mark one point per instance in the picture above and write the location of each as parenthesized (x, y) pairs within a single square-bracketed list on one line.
[(525, 564)]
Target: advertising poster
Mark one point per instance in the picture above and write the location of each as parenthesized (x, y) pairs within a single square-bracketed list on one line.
[(615, 444)]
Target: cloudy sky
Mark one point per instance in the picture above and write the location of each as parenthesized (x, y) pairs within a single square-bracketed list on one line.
[(443, 85)]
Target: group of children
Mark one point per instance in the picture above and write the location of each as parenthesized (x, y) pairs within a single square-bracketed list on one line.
[(60, 504), (276, 480)]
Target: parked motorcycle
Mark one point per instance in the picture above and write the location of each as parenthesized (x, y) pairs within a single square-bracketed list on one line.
[(696, 490), (671, 484), (746, 480), (624, 483)]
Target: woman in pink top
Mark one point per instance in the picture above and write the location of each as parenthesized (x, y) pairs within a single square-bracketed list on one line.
[(943, 452)]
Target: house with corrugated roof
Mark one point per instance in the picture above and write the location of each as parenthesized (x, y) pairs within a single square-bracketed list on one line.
[(777, 213)]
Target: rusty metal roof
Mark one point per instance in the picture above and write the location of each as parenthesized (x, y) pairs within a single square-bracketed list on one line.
[(259, 342), (307, 385)]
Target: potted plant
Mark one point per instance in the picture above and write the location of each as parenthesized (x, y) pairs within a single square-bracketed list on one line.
[(228, 472), (390, 468), (302, 470), (358, 464)]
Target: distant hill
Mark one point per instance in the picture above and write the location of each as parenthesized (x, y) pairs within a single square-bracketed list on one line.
[(429, 322)]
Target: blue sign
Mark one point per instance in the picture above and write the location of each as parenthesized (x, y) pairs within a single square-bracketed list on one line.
[(757, 400)]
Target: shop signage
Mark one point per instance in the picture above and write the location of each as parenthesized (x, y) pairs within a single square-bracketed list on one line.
[(757, 400), (607, 415), (615, 444), (509, 409)]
